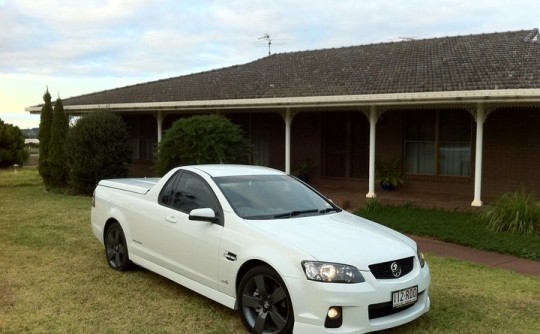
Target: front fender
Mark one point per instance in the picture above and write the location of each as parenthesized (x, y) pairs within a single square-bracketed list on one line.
[(286, 264), (239, 253)]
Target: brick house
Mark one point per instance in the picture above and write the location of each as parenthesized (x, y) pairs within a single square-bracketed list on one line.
[(463, 113)]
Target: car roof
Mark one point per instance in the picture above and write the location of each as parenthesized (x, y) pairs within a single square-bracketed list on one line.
[(233, 170)]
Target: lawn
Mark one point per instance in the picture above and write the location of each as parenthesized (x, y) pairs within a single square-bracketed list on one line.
[(455, 227), (54, 279)]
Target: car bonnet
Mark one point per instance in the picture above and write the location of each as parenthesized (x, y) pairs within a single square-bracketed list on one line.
[(339, 238)]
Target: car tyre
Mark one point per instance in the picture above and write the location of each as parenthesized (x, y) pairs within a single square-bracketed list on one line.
[(116, 249), (264, 302)]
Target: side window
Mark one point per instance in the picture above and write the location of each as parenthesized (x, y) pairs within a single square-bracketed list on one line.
[(166, 195), (193, 193)]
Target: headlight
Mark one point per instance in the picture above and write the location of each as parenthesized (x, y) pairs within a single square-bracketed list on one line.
[(421, 258), (331, 272)]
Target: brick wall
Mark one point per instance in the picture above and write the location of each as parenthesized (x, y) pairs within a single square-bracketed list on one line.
[(511, 151)]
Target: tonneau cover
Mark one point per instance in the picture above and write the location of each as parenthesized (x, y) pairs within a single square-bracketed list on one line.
[(139, 186)]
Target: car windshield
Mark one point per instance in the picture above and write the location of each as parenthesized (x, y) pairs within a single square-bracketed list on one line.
[(272, 197)]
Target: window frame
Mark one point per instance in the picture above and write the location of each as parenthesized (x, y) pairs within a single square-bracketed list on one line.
[(175, 180), (438, 144)]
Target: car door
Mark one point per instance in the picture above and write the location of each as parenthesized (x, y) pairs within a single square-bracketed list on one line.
[(191, 247)]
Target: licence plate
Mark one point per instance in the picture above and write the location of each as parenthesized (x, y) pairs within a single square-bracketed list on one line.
[(404, 297)]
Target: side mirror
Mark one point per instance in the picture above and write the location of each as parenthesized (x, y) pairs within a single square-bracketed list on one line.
[(205, 214)]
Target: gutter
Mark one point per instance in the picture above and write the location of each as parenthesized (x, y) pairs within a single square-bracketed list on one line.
[(392, 99)]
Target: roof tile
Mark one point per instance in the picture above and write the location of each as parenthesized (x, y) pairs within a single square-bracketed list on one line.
[(508, 60)]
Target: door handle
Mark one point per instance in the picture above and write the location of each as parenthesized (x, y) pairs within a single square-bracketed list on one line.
[(171, 219)]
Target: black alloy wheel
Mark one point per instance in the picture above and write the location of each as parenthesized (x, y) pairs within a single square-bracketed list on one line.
[(264, 302), (116, 248)]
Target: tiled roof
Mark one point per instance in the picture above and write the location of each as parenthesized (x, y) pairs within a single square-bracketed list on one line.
[(509, 60)]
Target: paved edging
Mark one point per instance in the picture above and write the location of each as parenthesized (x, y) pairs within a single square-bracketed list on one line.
[(490, 259)]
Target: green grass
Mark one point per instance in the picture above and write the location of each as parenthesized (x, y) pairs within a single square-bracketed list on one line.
[(456, 227), (23, 177), (469, 298), (54, 279)]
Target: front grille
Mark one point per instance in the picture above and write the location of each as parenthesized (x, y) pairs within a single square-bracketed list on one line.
[(384, 270), (384, 309)]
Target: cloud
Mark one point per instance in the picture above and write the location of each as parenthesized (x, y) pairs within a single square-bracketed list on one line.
[(56, 37), (128, 37)]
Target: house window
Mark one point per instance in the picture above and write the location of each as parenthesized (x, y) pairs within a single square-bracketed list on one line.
[(438, 142), (346, 145)]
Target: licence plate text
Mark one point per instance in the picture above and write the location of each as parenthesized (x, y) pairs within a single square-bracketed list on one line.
[(404, 297)]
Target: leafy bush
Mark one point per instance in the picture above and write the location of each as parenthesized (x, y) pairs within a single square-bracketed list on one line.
[(202, 140), (97, 147), (12, 150), (513, 212)]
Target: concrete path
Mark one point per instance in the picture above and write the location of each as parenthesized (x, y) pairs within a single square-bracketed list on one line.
[(490, 259)]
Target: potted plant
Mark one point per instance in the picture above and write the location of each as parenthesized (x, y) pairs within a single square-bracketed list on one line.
[(388, 174), (303, 171)]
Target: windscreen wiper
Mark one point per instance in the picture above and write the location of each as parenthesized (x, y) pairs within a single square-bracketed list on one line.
[(295, 213), (323, 211)]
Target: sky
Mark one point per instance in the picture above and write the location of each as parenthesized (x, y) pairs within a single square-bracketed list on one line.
[(79, 47)]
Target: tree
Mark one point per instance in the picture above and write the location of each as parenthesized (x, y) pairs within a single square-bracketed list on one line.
[(12, 150), (97, 147), (45, 138), (201, 140), (58, 169)]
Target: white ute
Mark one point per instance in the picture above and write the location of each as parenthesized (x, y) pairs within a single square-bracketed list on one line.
[(260, 241)]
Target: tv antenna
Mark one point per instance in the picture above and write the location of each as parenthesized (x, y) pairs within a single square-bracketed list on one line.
[(408, 38), (267, 38)]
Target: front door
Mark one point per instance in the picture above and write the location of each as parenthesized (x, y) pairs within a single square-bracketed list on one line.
[(190, 248), (345, 145)]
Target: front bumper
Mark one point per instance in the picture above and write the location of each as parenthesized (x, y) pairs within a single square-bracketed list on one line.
[(311, 301)]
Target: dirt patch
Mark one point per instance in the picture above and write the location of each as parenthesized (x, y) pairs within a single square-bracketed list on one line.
[(7, 297)]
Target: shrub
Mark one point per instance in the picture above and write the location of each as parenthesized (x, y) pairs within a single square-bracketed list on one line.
[(372, 204), (97, 147), (202, 140), (12, 150), (513, 212)]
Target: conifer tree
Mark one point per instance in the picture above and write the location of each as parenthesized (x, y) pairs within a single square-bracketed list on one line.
[(57, 158), (45, 138)]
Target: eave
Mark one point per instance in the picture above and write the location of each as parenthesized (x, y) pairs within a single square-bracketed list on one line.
[(454, 98)]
